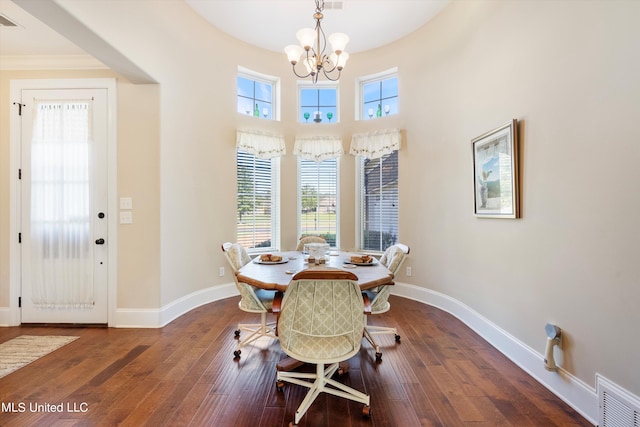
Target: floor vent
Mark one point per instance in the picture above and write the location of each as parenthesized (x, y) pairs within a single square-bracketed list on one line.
[(618, 407)]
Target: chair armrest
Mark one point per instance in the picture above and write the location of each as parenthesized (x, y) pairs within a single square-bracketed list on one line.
[(276, 307), (367, 303), (277, 302)]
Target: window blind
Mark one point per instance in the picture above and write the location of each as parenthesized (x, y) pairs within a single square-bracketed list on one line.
[(257, 203), (378, 202), (318, 199)]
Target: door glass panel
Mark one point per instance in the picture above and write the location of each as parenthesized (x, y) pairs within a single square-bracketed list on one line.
[(61, 249)]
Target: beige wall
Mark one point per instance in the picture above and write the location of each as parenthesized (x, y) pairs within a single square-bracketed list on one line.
[(566, 70)]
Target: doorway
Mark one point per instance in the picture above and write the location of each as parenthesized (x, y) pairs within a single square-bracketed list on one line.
[(65, 232)]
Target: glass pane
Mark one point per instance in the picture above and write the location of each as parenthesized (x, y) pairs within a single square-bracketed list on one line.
[(306, 114), (245, 87), (390, 88), (264, 109), (328, 97), (371, 92), (244, 106), (390, 106), (263, 92), (309, 97), (370, 109), (60, 205), (330, 115)]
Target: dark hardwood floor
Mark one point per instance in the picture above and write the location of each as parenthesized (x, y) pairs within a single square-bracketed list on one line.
[(441, 374)]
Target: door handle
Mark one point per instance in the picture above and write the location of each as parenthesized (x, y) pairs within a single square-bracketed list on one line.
[(100, 242)]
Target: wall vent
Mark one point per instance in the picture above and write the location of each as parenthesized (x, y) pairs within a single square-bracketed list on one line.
[(335, 5), (5, 22), (618, 407)]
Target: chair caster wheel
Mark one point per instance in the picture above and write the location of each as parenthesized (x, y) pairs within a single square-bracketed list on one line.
[(280, 386), (366, 411), (378, 357), (237, 333), (397, 338), (237, 353)]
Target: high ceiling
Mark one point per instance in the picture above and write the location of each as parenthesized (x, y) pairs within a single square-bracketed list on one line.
[(273, 24), (270, 24)]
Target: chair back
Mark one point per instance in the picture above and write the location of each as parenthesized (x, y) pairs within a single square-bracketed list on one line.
[(321, 318), (250, 300), (394, 256), (236, 255), (309, 239)]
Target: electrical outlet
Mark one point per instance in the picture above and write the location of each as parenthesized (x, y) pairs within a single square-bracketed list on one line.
[(408, 271), (221, 271)]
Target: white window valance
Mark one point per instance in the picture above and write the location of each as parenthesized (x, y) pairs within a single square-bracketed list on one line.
[(318, 148), (261, 144), (373, 145)]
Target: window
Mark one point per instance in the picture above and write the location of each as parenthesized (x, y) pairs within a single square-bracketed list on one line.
[(378, 202), (379, 95), (257, 94), (318, 103), (318, 199), (258, 204)]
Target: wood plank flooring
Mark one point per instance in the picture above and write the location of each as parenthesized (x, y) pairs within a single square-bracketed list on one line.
[(441, 374)]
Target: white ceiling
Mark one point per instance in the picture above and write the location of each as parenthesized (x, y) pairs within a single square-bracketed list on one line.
[(273, 24), (270, 24)]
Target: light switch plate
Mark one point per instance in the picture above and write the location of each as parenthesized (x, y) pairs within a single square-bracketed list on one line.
[(126, 203), (126, 217)]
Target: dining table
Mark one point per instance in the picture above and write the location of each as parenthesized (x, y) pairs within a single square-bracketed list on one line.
[(277, 275)]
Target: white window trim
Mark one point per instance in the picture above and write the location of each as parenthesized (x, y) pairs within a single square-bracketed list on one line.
[(361, 81), (299, 201), (304, 84), (264, 78)]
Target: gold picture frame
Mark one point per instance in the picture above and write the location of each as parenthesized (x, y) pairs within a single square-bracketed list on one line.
[(495, 173)]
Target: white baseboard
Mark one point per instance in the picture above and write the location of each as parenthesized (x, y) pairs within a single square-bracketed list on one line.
[(580, 396), (157, 318)]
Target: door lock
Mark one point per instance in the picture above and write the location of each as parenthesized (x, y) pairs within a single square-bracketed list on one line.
[(100, 242)]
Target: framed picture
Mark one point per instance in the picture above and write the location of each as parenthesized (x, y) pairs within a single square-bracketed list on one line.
[(495, 173)]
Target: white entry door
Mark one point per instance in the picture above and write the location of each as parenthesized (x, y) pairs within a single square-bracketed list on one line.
[(64, 206)]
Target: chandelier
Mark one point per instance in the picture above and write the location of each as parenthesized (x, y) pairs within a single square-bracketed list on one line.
[(311, 51)]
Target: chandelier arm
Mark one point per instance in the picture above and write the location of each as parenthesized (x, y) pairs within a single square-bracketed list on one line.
[(293, 67), (326, 59), (328, 77)]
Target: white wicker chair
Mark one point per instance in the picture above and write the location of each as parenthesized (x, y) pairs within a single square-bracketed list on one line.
[(321, 322), (252, 300), (392, 258), (309, 239)]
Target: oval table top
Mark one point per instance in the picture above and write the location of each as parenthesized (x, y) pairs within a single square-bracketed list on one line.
[(277, 276)]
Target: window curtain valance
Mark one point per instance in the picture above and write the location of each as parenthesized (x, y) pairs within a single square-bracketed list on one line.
[(261, 144), (373, 145), (318, 148)]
